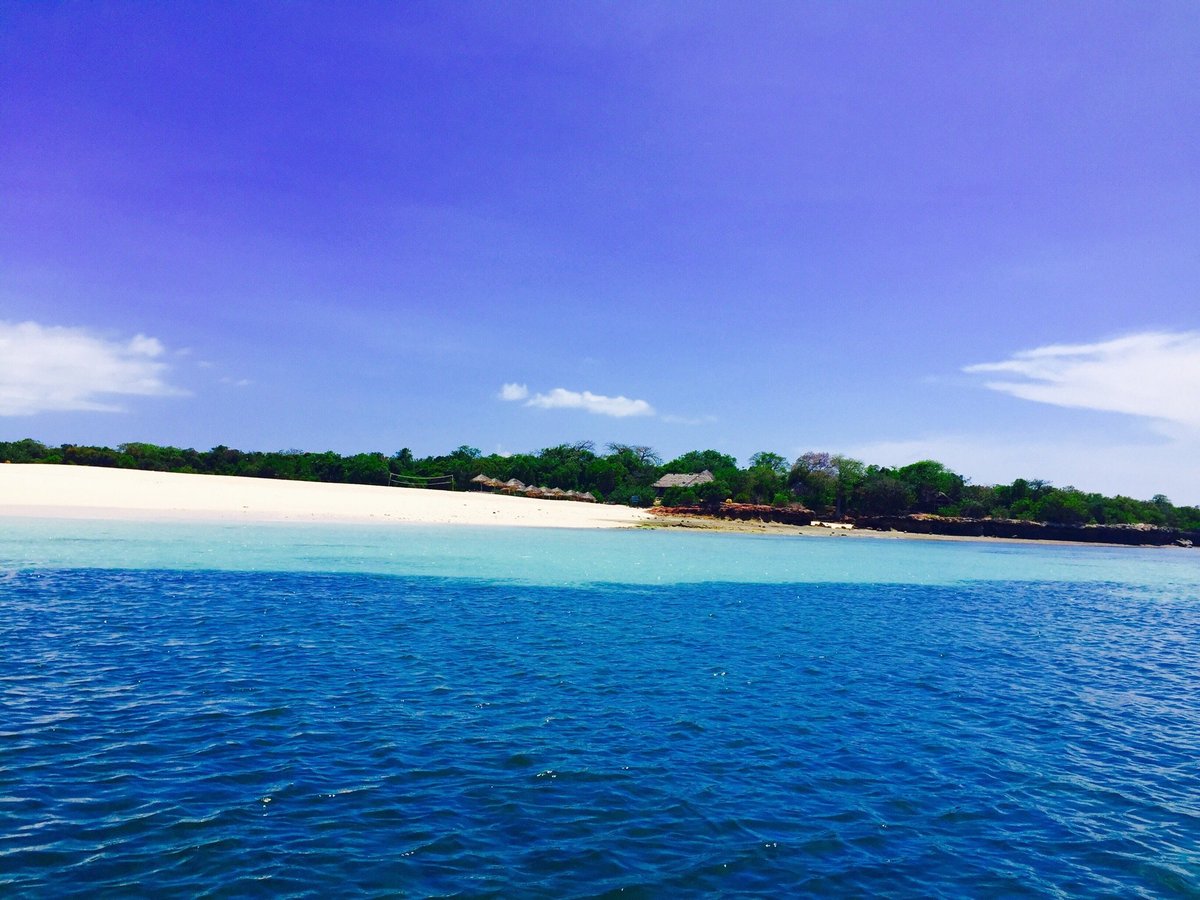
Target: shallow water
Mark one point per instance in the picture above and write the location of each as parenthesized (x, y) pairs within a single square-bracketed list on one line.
[(352, 711), (556, 557)]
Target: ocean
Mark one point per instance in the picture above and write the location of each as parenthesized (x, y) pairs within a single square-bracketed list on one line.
[(287, 710)]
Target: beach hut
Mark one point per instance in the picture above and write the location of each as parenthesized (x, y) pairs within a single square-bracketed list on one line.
[(512, 486), (683, 480), (483, 481)]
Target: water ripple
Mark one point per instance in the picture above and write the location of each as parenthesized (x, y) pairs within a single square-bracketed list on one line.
[(297, 734)]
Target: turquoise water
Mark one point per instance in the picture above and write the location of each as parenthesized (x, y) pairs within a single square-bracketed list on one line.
[(352, 711), (558, 557)]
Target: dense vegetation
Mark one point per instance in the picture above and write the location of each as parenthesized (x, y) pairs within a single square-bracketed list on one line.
[(828, 484)]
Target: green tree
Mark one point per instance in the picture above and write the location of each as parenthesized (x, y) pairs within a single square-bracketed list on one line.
[(762, 481), (680, 496), (932, 484), (712, 494), (1065, 507), (26, 450), (366, 468), (646, 457), (720, 464), (402, 461), (826, 482), (978, 501), (881, 494), (772, 461), (813, 479)]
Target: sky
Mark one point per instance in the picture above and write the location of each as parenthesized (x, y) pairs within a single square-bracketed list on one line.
[(961, 231)]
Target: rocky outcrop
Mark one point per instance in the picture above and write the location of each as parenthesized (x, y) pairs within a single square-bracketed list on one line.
[(1136, 535), (758, 512)]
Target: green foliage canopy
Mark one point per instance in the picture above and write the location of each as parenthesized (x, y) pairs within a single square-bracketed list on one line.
[(829, 484)]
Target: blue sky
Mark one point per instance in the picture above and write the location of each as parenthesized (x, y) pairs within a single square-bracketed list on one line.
[(897, 230)]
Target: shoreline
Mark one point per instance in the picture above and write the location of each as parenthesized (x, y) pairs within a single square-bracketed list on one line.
[(706, 524), (42, 491)]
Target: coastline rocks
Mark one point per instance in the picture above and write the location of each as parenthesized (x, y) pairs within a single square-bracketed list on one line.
[(1133, 535), (785, 515)]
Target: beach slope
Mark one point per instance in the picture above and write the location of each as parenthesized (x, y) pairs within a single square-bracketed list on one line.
[(86, 492)]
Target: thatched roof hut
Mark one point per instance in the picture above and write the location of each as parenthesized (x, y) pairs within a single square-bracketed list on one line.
[(683, 480)]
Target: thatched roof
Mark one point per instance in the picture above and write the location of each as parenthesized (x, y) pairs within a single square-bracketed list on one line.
[(483, 479), (683, 480)]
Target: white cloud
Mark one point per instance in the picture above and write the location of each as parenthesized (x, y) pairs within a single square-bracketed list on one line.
[(1151, 374), (1154, 375), (46, 368), (618, 407), (560, 398)]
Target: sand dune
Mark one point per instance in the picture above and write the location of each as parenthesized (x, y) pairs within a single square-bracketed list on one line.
[(86, 492)]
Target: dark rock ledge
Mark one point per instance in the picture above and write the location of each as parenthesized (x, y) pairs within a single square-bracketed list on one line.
[(1137, 535), (746, 512)]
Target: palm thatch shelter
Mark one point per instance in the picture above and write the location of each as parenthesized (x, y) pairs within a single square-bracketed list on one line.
[(682, 480), (486, 481)]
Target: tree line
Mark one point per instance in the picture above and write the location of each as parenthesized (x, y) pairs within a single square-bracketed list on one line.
[(829, 484)]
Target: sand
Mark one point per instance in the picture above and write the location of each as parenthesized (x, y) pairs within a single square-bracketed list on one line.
[(83, 492)]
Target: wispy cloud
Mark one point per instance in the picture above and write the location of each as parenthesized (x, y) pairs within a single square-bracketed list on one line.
[(561, 398), (1153, 374), (46, 368), (618, 407)]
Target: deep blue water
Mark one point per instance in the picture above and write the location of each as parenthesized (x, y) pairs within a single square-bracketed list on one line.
[(218, 731)]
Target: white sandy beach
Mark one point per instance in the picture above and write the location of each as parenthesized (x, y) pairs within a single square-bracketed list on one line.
[(52, 491)]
